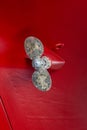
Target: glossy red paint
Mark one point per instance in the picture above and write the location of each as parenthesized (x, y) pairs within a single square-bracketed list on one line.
[(56, 61), (64, 107), (4, 118)]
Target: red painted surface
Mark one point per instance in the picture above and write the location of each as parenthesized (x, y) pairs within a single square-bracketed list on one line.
[(64, 107), (4, 119), (56, 61)]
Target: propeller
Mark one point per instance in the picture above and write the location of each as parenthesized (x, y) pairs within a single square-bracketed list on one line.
[(34, 49)]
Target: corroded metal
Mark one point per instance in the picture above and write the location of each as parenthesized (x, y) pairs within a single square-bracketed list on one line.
[(33, 47), (41, 63), (42, 80)]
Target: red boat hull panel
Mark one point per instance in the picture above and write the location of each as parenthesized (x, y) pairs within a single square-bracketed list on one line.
[(64, 107)]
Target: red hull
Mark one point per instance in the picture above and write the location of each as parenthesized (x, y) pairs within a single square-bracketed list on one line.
[(22, 106)]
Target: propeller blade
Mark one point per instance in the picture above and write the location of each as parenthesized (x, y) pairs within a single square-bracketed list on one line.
[(42, 80), (33, 47)]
